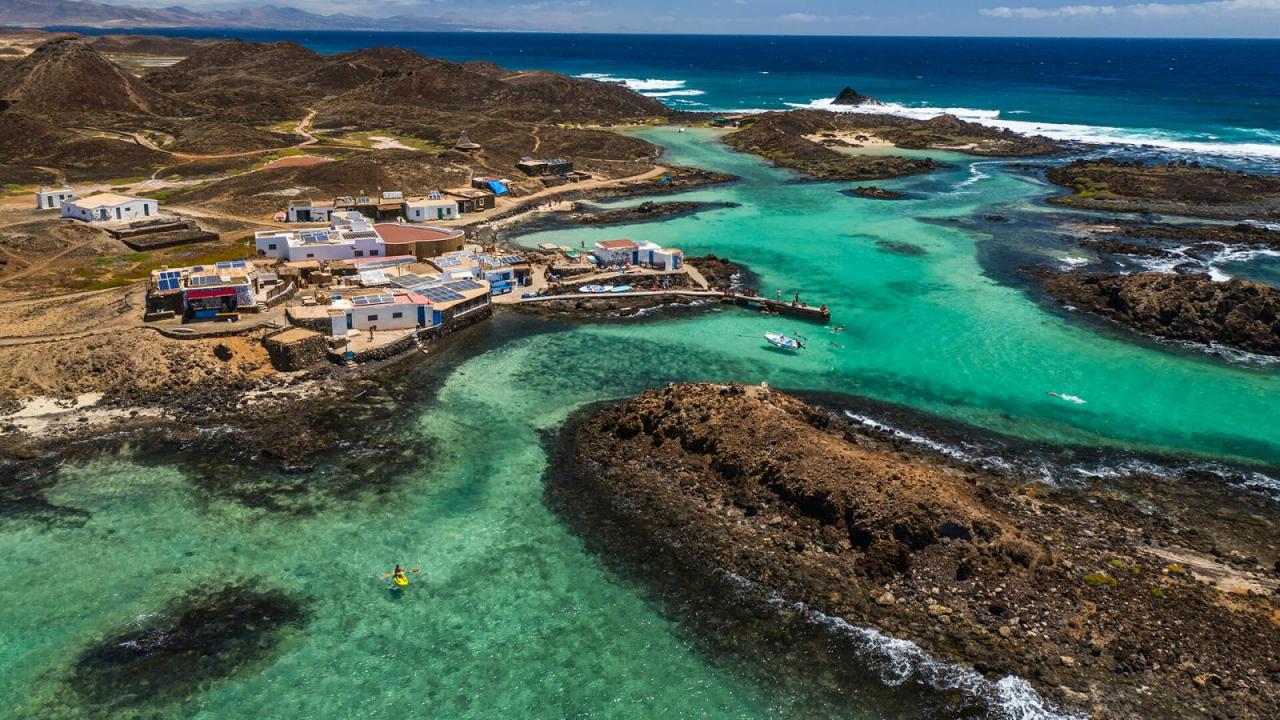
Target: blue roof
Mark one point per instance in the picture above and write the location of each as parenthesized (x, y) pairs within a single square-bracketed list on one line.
[(497, 187)]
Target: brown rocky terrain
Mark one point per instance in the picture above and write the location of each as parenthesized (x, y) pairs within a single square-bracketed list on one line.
[(236, 96), (1237, 234), (647, 211), (1237, 313), (1116, 600), (1177, 188), (781, 137)]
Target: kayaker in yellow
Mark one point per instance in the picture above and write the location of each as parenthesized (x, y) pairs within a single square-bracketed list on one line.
[(398, 577)]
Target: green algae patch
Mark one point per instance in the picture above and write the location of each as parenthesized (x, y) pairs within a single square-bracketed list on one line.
[(1099, 579), (206, 635)]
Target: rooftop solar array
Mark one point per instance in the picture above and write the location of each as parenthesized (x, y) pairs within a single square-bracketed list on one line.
[(360, 235), (229, 264), (512, 259), (169, 280), (463, 285), (439, 294), (379, 299), (447, 261), (409, 281), (314, 236), (204, 281)]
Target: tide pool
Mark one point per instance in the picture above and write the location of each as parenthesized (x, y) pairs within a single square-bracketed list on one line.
[(512, 616)]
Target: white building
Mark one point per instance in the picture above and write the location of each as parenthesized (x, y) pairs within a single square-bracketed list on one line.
[(109, 207), (630, 252), (52, 198), (431, 207), (349, 235)]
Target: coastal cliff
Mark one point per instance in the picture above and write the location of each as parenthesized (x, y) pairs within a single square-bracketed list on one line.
[(1237, 313), (1093, 601)]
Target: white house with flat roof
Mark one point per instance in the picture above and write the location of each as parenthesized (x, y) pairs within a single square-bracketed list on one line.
[(109, 207), (52, 198), (630, 252), (349, 235), (432, 207)]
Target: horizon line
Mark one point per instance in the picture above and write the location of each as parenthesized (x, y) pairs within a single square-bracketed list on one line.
[(123, 30)]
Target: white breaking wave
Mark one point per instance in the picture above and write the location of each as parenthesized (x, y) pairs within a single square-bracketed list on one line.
[(675, 93), (975, 175), (637, 84), (1099, 134), (898, 661)]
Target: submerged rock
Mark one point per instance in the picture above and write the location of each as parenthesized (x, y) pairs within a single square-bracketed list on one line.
[(206, 635), (872, 192)]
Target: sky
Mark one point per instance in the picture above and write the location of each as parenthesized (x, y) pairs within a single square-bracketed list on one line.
[(1174, 18)]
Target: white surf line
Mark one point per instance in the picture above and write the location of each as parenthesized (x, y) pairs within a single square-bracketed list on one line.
[(1099, 134), (898, 661)]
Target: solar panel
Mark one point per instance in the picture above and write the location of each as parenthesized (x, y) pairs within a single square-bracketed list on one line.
[(379, 299), (463, 285), (204, 280), (170, 273), (223, 265), (167, 284), (447, 262), (440, 294), (512, 259)]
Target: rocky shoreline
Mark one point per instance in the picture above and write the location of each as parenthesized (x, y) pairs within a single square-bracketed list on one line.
[(648, 211), (1174, 188), (1238, 314), (1107, 598)]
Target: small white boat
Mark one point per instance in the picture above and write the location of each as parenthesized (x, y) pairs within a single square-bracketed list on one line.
[(779, 340)]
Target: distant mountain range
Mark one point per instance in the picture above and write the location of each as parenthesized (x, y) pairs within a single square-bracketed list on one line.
[(48, 13)]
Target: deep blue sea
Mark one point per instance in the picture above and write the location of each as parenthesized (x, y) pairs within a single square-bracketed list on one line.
[(1218, 96)]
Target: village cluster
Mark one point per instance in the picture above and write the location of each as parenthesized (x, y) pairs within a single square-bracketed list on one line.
[(355, 273)]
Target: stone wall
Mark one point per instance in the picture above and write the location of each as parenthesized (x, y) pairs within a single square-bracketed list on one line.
[(295, 349)]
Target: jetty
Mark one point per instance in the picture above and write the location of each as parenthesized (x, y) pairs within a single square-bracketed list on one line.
[(777, 307)]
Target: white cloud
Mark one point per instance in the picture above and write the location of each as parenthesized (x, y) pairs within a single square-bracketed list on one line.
[(1214, 8), (800, 17), (1034, 12)]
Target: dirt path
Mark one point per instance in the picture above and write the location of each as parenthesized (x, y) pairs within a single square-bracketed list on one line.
[(552, 192), (200, 212)]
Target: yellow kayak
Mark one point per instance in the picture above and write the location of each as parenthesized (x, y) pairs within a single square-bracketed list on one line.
[(400, 580)]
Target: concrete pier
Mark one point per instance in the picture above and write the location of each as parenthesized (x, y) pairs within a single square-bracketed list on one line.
[(777, 307)]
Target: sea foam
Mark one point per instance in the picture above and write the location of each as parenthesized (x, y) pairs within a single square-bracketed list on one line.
[(897, 661), (1099, 134)]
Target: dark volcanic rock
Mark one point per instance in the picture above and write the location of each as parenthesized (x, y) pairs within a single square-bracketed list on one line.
[(722, 272), (1237, 313), (901, 248), (872, 192), (1177, 188), (644, 212), (1064, 590), (849, 96), (206, 635)]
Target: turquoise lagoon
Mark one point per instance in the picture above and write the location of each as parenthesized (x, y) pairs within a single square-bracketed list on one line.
[(512, 616)]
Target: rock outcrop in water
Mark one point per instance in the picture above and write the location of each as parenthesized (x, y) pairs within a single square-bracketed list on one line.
[(1091, 600), (1177, 188), (1237, 313), (849, 97)]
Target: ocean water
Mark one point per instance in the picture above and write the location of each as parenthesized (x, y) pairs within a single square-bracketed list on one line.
[(1220, 96), (513, 616)]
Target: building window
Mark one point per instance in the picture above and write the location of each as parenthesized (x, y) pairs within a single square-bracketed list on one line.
[(272, 246), (146, 209), (374, 253), (397, 315), (359, 253), (373, 318), (311, 255)]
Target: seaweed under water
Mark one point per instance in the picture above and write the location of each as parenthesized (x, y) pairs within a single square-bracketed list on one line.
[(206, 635)]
